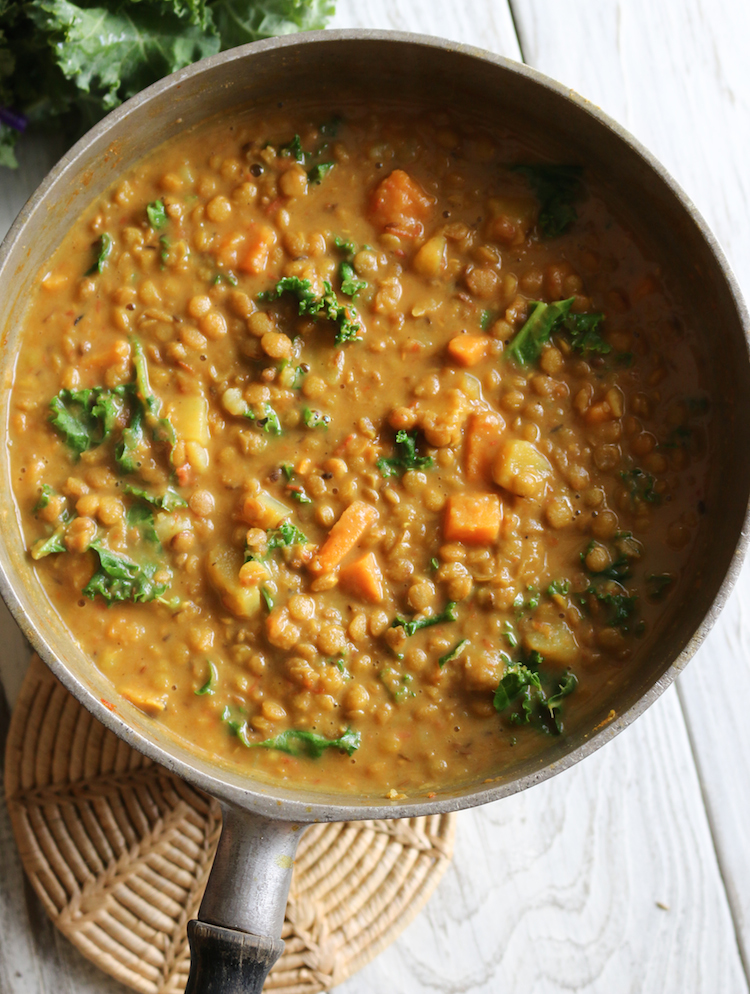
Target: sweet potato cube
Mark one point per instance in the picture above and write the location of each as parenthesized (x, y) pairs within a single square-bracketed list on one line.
[(521, 468), (484, 433), (398, 200), (254, 258), (468, 350), (473, 519), (362, 578), (355, 522)]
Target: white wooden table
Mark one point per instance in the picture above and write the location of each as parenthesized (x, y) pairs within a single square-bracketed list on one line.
[(630, 872)]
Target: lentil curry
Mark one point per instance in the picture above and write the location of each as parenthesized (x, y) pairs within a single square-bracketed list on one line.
[(349, 446)]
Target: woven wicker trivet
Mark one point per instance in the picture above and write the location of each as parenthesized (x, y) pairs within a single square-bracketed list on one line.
[(119, 851)]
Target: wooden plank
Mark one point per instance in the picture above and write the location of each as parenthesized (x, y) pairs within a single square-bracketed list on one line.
[(602, 879), (675, 75)]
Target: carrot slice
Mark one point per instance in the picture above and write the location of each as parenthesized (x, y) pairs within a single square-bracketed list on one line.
[(257, 249), (483, 436), (356, 520), (363, 578), (468, 350), (474, 519)]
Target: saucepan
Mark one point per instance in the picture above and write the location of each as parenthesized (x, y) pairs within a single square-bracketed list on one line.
[(237, 937)]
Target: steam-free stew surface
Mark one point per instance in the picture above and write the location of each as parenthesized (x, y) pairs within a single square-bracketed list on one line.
[(355, 454)]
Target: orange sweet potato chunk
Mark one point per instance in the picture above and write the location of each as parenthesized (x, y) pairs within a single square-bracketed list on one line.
[(363, 578), (400, 202), (468, 350), (484, 433), (261, 240), (473, 519), (356, 520)]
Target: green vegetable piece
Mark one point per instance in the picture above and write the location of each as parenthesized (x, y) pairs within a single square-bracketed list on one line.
[(485, 320), (302, 742), (658, 584), (213, 676), (558, 587), (288, 470), (102, 251), (299, 494), (622, 605), (170, 500), (348, 248), (44, 497), (157, 216), (73, 416), (557, 187), (406, 456), (237, 723), (514, 681), (455, 653), (132, 447), (141, 516), (164, 251), (435, 564), (527, 345), (270, 423), (410, 627), (49, 546), (584, 333), (227, 277), (265, 593), (315, 419), (567, 686), (161, 428), (318, 173), (120, 579), (397, 684), (293, 149), (509, 633), (285, 535), (641, 485), (326, 306), (350, 285)]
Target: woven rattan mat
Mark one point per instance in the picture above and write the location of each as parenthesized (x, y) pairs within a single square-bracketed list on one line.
[(119, 851)]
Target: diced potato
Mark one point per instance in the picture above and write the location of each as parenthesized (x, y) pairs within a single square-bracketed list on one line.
[(223, 565), (552, 639), (521, 468), (473, 519), (171, 523), (149, 703), (264, 511), (430, 259), (189, 416)]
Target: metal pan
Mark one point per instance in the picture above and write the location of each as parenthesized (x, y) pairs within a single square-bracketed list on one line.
[(237, 938)]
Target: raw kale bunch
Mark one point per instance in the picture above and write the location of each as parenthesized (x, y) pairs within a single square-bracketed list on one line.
[(66, 64)]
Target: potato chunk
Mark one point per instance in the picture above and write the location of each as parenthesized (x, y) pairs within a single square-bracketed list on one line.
[(223, 565), (189, 416), (552, 639), (521, 469)]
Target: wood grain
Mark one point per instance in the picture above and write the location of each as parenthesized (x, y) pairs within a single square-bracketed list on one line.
[(559, 889), (676, 77)]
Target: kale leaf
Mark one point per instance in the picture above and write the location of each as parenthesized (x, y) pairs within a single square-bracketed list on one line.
[(68, 62), (157, 216), (302, 742), (557, 187), (406, 456), (285, 535), (120, 579), (410, 627), (213, 676), (102, 251), (170, 500), (319, 172), (326, 306), (544, 319)]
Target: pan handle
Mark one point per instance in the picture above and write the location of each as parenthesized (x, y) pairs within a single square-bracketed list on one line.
[(237, 937)]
